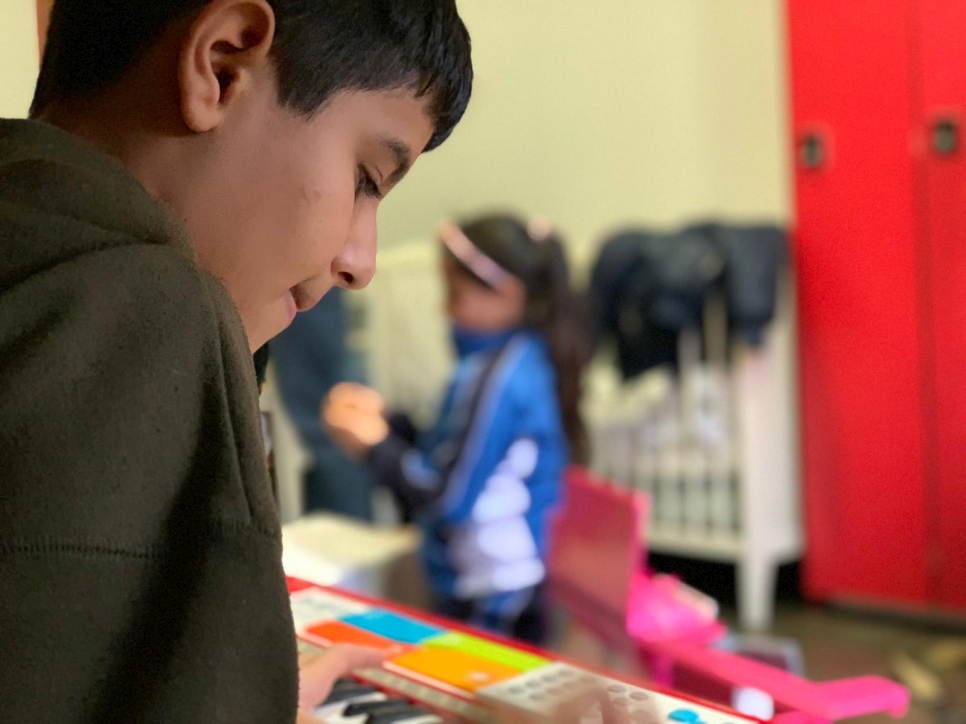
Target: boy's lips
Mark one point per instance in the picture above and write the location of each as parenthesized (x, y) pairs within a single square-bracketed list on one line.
[(297, 300), (302, 299), (291, 306)]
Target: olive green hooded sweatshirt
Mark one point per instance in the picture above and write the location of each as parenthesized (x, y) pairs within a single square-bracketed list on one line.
[(140, 548)]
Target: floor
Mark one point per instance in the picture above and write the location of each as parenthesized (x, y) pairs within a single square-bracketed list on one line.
[(837, 644)]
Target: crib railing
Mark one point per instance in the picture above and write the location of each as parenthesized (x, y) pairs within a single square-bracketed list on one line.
[(712, 443)]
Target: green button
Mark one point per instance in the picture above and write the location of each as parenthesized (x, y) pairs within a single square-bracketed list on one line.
[(488, 650)]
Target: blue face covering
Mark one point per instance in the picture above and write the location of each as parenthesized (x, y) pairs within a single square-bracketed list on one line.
[(469, 342)]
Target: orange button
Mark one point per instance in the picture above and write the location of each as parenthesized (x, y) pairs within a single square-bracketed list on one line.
[(455, 668), (337, 632)]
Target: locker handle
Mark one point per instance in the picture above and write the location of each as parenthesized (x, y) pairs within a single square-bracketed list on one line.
[(812, 150), (945, 136)]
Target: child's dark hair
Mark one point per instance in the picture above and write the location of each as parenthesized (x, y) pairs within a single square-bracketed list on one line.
[(320, 47), (535, 255)]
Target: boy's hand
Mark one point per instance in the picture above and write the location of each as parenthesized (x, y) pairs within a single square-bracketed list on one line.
[(353, 415), (582, 707), (319, 672)]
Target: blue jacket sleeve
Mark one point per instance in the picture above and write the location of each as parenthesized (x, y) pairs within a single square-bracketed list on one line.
[(407, 472), (492, 430), (445, 475)]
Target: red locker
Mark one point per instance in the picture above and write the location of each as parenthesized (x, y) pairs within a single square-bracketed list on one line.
[(941, 56), (882, 275)]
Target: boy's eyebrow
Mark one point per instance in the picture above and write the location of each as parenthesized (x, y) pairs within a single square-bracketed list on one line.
[(403, 158)]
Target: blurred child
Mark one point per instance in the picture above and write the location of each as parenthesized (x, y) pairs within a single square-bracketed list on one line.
[(485, 478)]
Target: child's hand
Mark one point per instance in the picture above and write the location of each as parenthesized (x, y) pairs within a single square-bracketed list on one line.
[(359, 397), (319, 672), (353, 415)]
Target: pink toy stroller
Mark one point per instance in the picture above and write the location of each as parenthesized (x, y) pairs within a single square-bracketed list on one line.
[(597, 574)]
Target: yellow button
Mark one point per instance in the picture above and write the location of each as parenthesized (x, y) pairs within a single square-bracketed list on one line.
[(455, 668)]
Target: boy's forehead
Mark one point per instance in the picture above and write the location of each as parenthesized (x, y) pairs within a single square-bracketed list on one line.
[(401, 101), (398, 119)]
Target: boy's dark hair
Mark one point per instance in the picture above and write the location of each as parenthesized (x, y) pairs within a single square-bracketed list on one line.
[(321, 47)]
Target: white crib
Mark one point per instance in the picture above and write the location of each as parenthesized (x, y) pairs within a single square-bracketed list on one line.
[(401, 329), (714, 446)]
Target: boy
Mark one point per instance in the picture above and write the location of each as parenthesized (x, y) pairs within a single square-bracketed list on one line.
[(197, 172)]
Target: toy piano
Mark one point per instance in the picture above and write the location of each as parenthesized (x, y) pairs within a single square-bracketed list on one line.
[(438, 672)]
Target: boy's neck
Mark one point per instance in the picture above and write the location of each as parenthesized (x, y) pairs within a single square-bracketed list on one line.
[(136, 120)]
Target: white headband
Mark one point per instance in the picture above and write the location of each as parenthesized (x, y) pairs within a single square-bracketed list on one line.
[(539, 229), (470, 255)]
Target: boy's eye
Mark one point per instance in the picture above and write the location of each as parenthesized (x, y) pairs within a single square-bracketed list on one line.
[(366, 185)]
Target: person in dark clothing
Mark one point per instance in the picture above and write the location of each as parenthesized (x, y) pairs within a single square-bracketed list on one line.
[(310, 357), (195, 172), (260, 359)]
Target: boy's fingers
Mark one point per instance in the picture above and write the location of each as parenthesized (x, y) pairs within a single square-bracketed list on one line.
[(574, 711), (319, 672), (351, 658)]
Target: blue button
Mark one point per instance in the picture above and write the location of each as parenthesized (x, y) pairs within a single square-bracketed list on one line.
[(686, 716), (393, 627)]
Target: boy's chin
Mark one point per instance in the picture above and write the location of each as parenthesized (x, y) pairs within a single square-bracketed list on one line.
[(267, 328), (261, 336)]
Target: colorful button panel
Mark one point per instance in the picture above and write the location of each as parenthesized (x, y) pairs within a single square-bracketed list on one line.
[(391, 626), (542, 691), (338, 632), (685, 716), (455, 668), (488, 650), (388, 681), (422, 656)]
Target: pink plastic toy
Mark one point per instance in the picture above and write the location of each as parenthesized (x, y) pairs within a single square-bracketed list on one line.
[(597, 573)]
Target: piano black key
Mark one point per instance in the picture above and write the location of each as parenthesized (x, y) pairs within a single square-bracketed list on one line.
[(371, 707), (347, 692), (411, 714)]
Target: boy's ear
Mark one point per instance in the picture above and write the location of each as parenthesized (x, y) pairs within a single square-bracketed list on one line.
[(226, 50)]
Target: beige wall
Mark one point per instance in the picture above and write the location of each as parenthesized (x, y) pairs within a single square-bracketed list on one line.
[(595, 113), (18, 56), (599, 112)]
